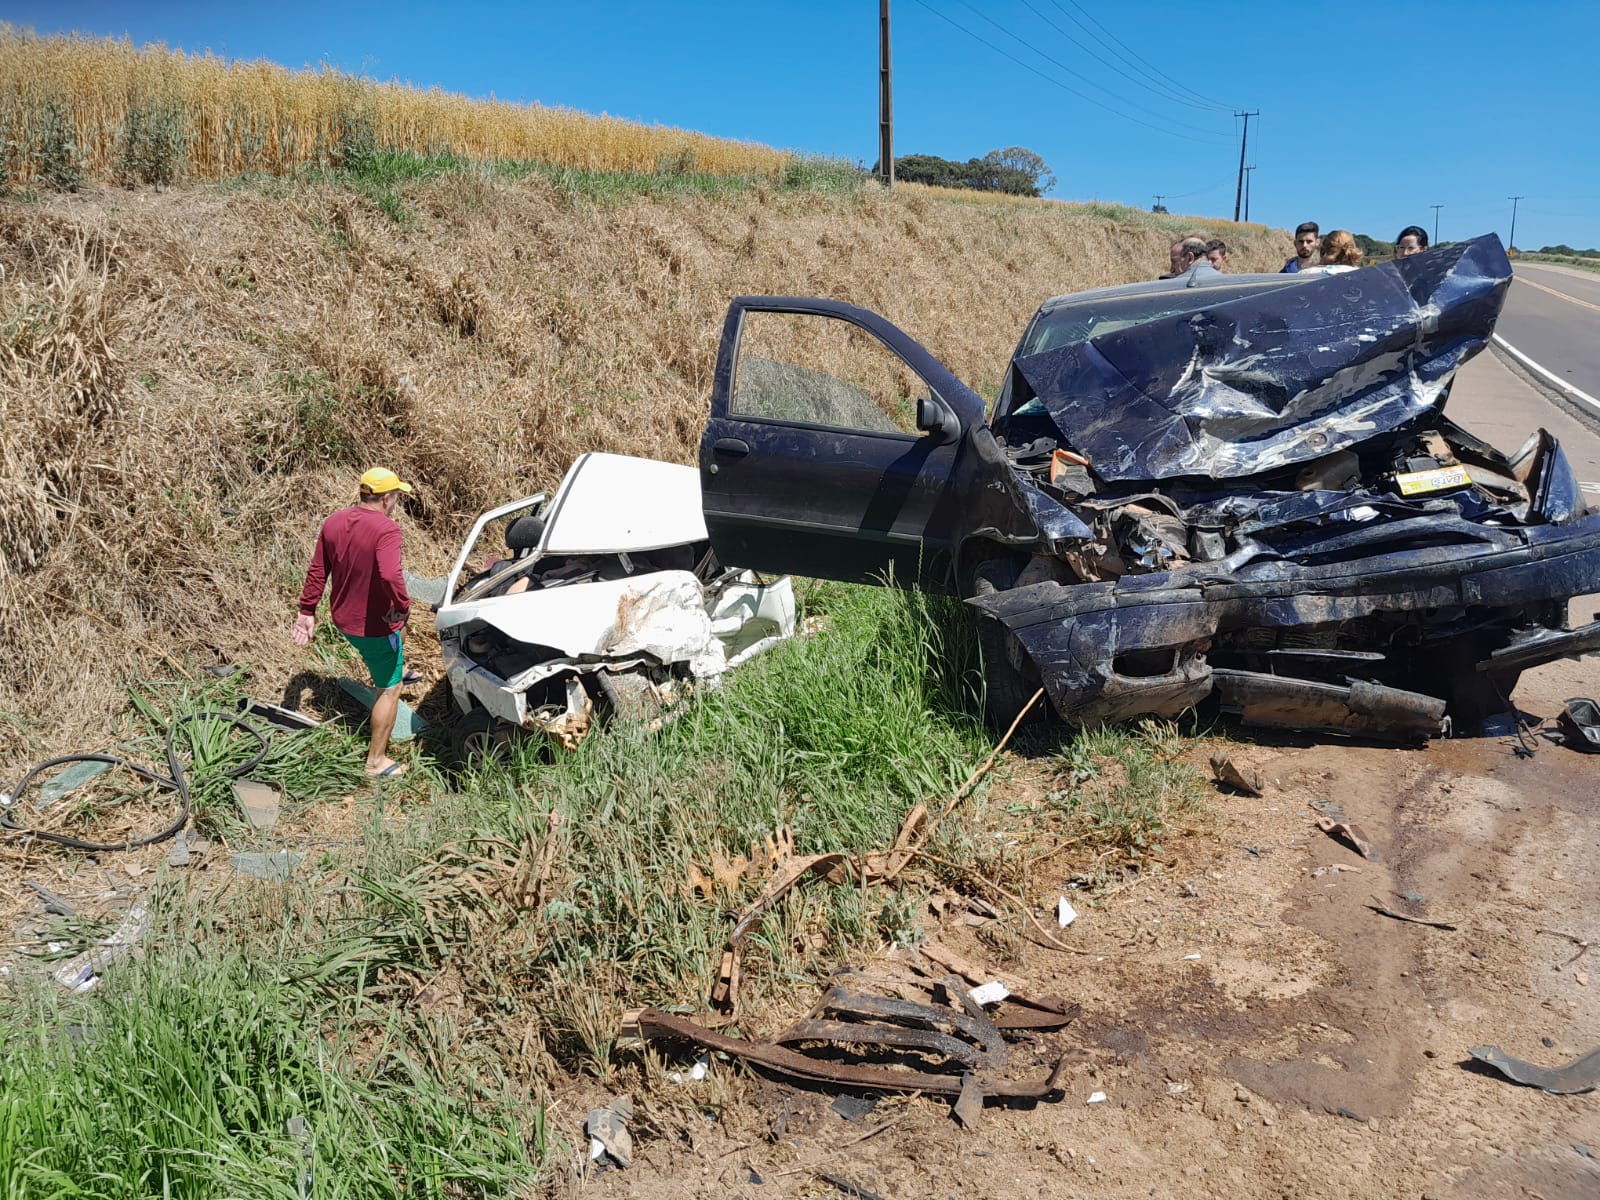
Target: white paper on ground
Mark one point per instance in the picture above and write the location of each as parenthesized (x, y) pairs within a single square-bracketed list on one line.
[(989, 993)]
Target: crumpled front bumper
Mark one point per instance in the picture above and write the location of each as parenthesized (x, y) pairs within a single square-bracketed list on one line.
[(1087, 639)]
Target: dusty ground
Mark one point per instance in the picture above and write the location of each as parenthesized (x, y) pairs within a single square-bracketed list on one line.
[(1315, 1047)]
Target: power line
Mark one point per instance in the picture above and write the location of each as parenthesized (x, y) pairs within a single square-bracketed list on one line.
[(1050, 79), (1077, 75), (1155, 88), (1156, 72)]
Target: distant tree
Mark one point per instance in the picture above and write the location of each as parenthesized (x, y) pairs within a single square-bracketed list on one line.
[(1373, 247), (1015, 169), (1018, 163)]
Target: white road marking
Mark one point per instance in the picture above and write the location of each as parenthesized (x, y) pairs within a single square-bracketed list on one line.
[(1547, 374)]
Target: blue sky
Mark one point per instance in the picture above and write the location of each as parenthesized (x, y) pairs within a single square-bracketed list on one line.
[(1370, 112)]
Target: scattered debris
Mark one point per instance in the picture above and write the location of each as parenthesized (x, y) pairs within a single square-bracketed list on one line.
[(300, 1131), (854, 1109), (1020, 1011), (1351, 835), (1580, 724), (1580, 1075), (725, 991), (70, 780), (652, 1023), (1065, 913), (701, 1068), (53, 903), (1230, 774), (407, 724), (1191, 958), (968, 1108), (284, 718), (1096, 1098), (1583, 944), (1177, 1089), (1335, 869), (989, 993), (608, 1133), (849, 1189), (1380, 908), (187, 847), (82, 971), (258, 801), (729, 874), (275, 868)]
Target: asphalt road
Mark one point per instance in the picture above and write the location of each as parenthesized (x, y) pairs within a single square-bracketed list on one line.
[(1552, 315)]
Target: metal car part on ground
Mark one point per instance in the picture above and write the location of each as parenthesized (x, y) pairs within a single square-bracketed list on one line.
[(604, 597), (1233, 490)]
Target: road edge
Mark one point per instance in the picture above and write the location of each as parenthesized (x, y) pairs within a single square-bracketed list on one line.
[(1575, 402)]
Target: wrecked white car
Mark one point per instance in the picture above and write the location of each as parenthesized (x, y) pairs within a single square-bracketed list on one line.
[(605, 598)]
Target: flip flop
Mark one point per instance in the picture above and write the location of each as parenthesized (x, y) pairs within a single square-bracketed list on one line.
[(411, 677), (392, 771)]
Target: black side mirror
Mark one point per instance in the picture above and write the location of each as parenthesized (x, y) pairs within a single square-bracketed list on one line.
[(937, 419)]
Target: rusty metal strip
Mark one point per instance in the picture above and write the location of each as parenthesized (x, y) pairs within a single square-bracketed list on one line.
[(653, 1023), (725, 991), (854, 1033), (977, 1029)]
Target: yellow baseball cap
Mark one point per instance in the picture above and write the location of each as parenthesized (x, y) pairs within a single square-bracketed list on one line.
[(380, 480)]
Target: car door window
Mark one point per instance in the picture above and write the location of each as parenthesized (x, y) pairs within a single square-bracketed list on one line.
[(815, 370)]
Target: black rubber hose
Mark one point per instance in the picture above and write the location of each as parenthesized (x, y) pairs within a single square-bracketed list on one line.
[(177, 781)]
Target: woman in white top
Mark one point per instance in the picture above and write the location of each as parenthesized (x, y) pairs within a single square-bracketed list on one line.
[(1340, 253)]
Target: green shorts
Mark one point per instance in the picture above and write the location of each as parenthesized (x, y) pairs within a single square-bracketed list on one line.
[(383, 657)]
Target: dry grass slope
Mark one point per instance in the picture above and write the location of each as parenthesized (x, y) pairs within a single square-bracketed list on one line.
[(111, 110), (190, 379)]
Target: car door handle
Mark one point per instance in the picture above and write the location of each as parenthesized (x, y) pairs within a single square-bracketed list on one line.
[(731, 446)]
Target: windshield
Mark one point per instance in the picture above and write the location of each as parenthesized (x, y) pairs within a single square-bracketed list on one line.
[(1077, 321)]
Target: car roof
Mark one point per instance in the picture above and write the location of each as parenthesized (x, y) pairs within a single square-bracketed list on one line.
[(1240, 282)]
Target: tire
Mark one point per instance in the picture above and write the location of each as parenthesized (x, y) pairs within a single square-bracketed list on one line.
[(1009, 678), (480, 736)]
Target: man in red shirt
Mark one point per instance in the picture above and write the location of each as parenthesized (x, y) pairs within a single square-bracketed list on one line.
[(358, 553)]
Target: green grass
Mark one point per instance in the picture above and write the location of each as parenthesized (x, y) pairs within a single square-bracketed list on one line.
[(179, 1077)]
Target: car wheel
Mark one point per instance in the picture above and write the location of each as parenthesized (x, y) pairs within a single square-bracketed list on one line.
[(1009, 678), (481, 737)]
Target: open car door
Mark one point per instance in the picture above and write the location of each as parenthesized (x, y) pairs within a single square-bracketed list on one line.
[(832, 445)]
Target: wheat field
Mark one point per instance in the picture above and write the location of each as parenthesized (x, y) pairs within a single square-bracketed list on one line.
[(108, 109)]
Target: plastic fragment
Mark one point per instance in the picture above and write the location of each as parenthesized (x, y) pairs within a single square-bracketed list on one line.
[(989, 993), (1065, 913)]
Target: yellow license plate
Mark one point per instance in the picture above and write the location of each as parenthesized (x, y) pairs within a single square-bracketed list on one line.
[(1442, 479)]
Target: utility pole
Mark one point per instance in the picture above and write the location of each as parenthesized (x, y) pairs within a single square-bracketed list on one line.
[(885, 100), (1157, 207), (1238, 193), (1436, 208), (1512, 244), (1248, 171)]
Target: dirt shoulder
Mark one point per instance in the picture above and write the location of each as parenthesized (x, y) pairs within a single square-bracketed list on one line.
[(1258, 1029)]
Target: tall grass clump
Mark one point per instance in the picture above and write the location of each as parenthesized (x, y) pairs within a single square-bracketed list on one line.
[(192, 1078), (152, 114)]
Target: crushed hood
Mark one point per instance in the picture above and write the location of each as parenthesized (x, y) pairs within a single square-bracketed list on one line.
[(1261, 382)]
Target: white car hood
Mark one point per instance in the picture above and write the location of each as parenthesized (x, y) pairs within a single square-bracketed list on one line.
[(661, 615)]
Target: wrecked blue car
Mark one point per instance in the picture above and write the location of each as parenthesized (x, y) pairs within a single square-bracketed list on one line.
[(1229, 490)]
